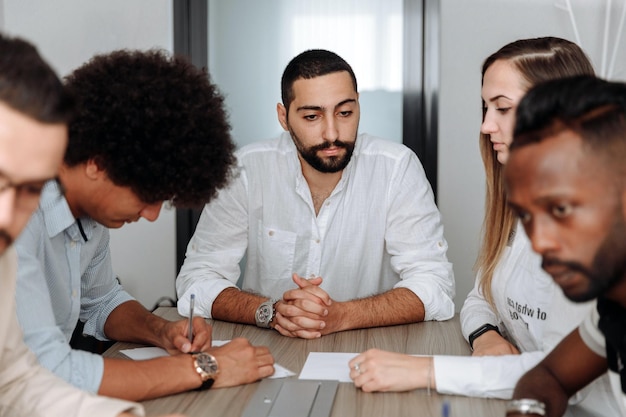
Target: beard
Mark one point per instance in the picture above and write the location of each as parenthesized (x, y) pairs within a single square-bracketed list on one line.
[(607, 268), (329, 164)]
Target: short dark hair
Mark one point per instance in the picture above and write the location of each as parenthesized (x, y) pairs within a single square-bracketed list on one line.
[(592, 108), (310, 64), (29, 85), (154, 123)]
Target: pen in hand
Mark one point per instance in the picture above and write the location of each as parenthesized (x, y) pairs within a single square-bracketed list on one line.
[(192, 299)]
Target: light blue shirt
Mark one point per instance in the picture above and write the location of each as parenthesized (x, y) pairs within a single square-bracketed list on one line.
[(61, 278)]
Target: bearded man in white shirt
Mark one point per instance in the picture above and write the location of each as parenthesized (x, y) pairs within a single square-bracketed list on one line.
[(339, 230)]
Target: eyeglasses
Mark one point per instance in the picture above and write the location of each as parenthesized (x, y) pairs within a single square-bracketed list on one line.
[(26, 195)]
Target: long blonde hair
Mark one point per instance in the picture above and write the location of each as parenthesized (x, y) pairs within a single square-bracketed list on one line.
[(537, 60)]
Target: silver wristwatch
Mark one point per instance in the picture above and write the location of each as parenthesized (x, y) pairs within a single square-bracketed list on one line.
[(526, 406), (265, 313)]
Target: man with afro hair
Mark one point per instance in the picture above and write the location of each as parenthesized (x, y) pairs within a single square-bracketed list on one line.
[(148, 129), (34, 110)]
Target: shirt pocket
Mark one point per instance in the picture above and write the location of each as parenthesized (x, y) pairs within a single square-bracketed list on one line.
[(276, 253)]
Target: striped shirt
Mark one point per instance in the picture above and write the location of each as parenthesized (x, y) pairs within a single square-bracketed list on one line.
[(63, 277)]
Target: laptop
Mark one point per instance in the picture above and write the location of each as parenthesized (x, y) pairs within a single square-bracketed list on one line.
[(292, 398)]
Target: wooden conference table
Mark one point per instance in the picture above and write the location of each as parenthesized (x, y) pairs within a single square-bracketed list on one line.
[(420, 338)]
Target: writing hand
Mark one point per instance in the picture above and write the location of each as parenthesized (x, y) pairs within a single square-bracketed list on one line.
[(176, 336)]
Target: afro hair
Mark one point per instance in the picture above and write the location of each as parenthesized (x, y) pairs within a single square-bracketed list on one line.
[(153, 123)]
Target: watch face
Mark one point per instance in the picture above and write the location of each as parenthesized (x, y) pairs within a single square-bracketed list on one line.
[(207, 363), (264, 314)]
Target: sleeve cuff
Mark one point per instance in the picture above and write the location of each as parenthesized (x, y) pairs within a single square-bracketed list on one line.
[(437, 304), (206, 292)]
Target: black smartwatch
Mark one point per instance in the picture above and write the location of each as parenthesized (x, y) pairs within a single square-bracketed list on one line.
[(480, 331)]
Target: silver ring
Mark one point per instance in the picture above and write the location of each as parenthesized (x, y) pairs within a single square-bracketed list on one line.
[(357, 367)]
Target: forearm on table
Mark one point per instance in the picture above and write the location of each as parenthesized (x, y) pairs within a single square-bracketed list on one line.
[(132, 322), (397, 306), (484, 376), (43, 393), (569, 367), (540, 384), (143, 380), (236, 306)]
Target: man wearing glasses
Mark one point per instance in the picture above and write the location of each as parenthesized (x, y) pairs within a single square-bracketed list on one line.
[(33, 113)]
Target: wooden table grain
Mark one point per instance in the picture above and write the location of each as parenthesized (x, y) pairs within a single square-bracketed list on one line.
[(420, 338)]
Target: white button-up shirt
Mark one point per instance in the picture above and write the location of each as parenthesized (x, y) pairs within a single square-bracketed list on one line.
[(378, 230)]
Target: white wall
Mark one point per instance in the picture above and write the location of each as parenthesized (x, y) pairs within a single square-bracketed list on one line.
[(470, 31), (246, 59), (69, 32)]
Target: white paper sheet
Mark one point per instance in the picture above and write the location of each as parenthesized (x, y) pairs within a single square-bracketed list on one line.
[(281, 372), (327, 365), (144, 353), (141, 354)]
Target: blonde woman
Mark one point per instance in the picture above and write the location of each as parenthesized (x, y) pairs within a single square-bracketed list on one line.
[(515, 314)]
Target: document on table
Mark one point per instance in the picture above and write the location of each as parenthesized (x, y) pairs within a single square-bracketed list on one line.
[(143, 353), (152, 352), (327, 365)]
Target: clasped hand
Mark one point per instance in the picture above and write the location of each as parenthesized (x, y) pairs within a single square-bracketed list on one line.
[(307, 311)]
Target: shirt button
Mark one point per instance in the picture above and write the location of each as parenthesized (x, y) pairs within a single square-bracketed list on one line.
[(271, 233), (317, 241), (440, 244), (73, 293), (72, 244), (312, 276)]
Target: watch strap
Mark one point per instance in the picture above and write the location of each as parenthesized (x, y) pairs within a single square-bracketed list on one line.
[(205, 385), (480, 331), (526, 406)]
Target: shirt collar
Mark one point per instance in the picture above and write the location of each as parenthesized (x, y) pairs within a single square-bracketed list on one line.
[(57, 214)]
